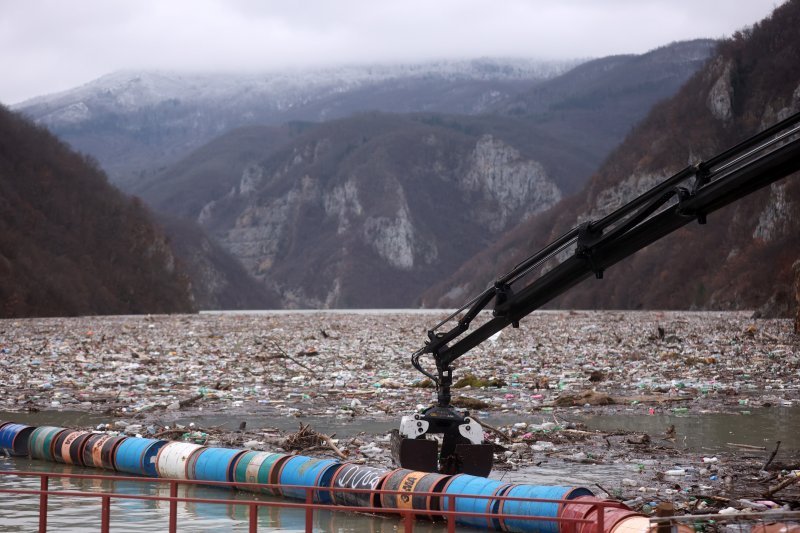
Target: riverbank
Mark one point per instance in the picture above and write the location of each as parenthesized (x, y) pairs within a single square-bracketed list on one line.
[(154, 375)]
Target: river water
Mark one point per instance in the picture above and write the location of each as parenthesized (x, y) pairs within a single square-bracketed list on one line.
[(703, 433)]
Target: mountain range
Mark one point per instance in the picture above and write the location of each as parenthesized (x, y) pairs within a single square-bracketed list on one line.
[(372, 209)]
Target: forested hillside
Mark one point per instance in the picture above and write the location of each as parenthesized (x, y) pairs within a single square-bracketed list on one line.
[(72, 244)]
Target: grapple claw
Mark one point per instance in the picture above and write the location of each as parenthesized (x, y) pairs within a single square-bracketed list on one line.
[(462, 451)]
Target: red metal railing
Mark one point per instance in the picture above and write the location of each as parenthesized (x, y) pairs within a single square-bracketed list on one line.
[(408, 515)]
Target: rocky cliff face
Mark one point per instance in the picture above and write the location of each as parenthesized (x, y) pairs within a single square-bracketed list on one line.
[(368, 211)]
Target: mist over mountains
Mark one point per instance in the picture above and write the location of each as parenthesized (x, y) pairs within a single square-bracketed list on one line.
[(135, 123)]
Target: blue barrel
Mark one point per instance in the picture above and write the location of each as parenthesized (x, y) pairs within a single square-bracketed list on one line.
[(15, 438), (308, 472), (137, 456), (548, 509), (479, 486), (213, 464)]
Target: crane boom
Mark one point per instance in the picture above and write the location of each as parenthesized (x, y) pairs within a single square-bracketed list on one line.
[(584, 251)]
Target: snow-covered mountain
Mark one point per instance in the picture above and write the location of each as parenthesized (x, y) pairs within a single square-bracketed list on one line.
[(137, 122)]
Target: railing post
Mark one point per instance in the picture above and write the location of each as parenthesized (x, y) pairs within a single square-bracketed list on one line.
[(451, 519), (253, 518), (43, 483), (601, 516), (105, 515), (309, 510), (408, 522), (173, 506)]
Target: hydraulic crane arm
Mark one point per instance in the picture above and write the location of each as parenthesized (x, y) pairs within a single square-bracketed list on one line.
[(591, 247)]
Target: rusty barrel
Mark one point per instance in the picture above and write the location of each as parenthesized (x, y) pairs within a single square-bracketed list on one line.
[(61, 443), (88, 447), (416, 484), (108, 452), (533, 508), (355, 476), (93, 450), (15, 438), (307, 472), (41, 442), (72, 449)]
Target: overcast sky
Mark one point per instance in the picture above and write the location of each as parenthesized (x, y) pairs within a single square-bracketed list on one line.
[(51, 45)]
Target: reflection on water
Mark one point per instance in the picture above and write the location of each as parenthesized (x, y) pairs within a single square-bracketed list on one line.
[(21, 512), (713, 431)]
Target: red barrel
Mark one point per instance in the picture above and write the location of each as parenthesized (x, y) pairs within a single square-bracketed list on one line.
[(75, 452), (611, 517), (57, 447), (579, 507), (108, 452), (95, 439)]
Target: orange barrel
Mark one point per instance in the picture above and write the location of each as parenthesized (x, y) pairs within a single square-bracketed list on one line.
[(41, 442), (15, 438), (482, 488), (74, 453), (108, 453), (307, 472), (88, 447), (57, 447), (579, 507), (544, 509), (354, 476), (611, 517), (636, 524), (173, 459)]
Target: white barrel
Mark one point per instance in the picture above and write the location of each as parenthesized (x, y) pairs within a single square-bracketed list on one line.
[(173, 458)]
